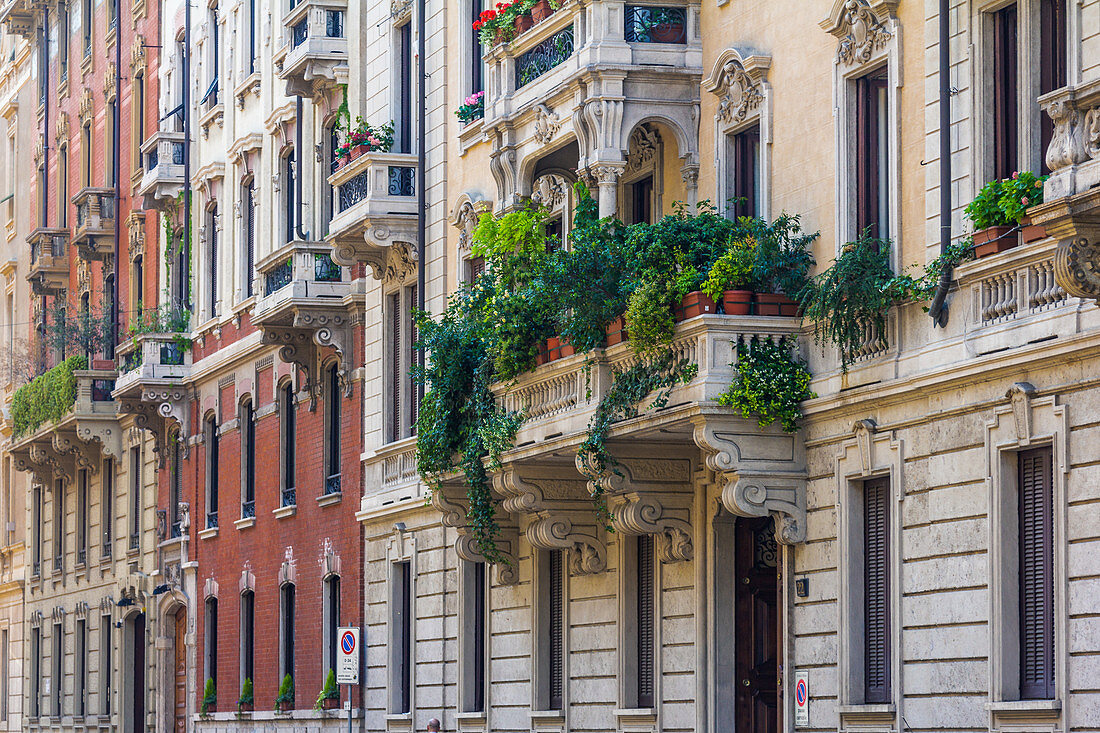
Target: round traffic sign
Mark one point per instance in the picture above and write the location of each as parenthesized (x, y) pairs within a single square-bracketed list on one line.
[(800, 692), (347, 642)]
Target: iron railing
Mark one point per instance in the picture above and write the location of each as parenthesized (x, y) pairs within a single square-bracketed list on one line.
[(653, 24), (290, 497), (248, 509), (278, 278), (354, 190), (212, 520), (332, 485), (325, 270), (402, 180), (543, 57)]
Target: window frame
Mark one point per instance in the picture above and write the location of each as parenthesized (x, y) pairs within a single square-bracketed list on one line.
[(247, 623), (401, 630), (333, 394), (210, 640), (212, 440), (474, 636), (287, 399), (550, 685), (287, 630)]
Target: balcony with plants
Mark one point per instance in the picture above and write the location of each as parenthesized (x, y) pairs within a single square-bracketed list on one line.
[(157, 353), (95, 223), (49, 268), (162, 168), (315, 46), (374, 202)]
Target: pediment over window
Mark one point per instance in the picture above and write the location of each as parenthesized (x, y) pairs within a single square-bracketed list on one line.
[(863, 27), (738, 81)]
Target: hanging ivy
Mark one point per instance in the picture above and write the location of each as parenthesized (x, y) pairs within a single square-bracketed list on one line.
[(770, 384)]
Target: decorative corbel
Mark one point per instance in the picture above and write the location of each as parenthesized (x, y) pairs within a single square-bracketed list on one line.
[(1019, 396), (864, 430), (759, 473), (67, 443), (447, 501)]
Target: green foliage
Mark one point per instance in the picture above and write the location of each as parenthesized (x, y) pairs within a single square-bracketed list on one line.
[(329, 691), (733, 270), (286, 692), (165, 319), (83, 332), (517, 232), (770, 384), (49, 396), (783, 256), (209, 697), (247, 696), (649, 316), (1005, 202)]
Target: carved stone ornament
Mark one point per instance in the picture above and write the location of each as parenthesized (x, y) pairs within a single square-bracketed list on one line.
[(864, 430), (312, 329), (83, 275), (62, 128), (110, 81), (861, 28), (137, 53), (1075, 222), (87, 106), (158, 410), (547, 123), (135, 225), (450, 502), (644, 144), (739, 85), (1019, 396), (550, 190), (759, 474), (465, 219)]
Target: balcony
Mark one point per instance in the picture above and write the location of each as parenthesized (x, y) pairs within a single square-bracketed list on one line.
[(95, 223), (316, 46), (307, 304), (49, 270), (545, 490), (375, 219), (86, 434), (18, 17), (153, 370), (162, 169)]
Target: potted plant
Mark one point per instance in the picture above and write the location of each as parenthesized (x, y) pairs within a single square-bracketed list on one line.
[(692, 301), (1018, 193), (730, 278), (244, 702), (617, 331), (542, 10), (284, 701), (329, 696), (524, 22), (993, 230), (472, 108), (209, 699), (558, 348), (665, 25)]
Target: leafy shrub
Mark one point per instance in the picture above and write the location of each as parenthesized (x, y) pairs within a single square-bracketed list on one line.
[(247, 697), (1005, 202), (209, 697), (649, 316), (286, 692), (770, 383), (733, 270), (328, 691), (49, 396)]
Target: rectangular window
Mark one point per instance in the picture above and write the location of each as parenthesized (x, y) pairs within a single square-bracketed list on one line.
[(175, 486), (109, 132), (135, 492), (287, 404), (105, 664), (743, 173), (210, 639), (332, 429), (82, 517), (36, 519), (1036, 576), (248, 644), (1053, 40), (63, 186), (58, 526), (403, 406), (1005, 92), (80, 661), (401, 621), (43, 64), (5, 651), (289, 205), (36, 672), (645, 615), (251, 36), (872, 155), (249, 196), (212, 259), (63, 37), (86, 17), (139, 120), (86, 155), (876, 591), (286, 616), (641, 201), (475, 267), (473, 631), (57, 681), (107, 506), (332, 618), (211, 439), (404, 89), (248, 460), (477, 63), (555, 632), (112, 19)]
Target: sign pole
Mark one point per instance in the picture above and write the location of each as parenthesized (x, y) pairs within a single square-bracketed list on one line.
[(349, 707), (347, 662)]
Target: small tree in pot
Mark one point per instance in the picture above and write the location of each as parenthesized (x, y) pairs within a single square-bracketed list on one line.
[(284, 701), (209, 699), (329, 696), (244, 702)]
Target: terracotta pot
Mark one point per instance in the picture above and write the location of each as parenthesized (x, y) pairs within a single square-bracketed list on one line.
[(330, 703), (558, 348), (667, 33), (737, 302), (993, 240), (103, 364), (1031, 232), (524, 23), (774, 304), (694, 304), (284, 707), (359, 150), (543, 355), (499, 37), (244, 707), (344, 159), (616, 331), (541, 11)]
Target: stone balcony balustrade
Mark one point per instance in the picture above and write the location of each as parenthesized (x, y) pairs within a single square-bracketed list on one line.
[(95, 222), (316, 46), (545, 491), (152, 383), (49, 270), (162, 166), (308, 304), (81, 439), (375, 213)]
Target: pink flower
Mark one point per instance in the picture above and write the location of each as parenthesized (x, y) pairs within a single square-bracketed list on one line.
[(1024, 201), (1015, 174)]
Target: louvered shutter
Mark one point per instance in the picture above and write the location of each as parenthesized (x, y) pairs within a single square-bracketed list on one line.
[(876, 589), (213, 225), (250, 238), (479, 624), (556, 623), (1036, 574), (645, 621), (395, 365), (410, 386)]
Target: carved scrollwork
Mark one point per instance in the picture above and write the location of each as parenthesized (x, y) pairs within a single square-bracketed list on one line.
[(861, 30), (740, 89), (547, 123), (643, 146), (448, 502), (550, 190)]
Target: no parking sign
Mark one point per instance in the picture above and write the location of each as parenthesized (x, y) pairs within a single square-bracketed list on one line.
[(347, 656), (801, 699)]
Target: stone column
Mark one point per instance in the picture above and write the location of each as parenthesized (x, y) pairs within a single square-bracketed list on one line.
[(690, 175), (607, 179)]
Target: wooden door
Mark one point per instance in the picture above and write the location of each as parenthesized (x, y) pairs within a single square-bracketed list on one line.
[(757, 627), (180, 666)]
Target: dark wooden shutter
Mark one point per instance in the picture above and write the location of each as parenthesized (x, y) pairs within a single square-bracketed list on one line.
[(212, 639), (404, 600), (745, 165), (333, 379), (250, 237), (870, 216), (410, 386), (876, 589), (1036, 574), (395, 365), (1052, 64), (212, 224), (556, 630), (1005, 92), (480, 619), (248, 620), (645, 621)]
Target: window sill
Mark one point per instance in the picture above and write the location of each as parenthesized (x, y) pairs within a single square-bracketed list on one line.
[(285, 511), (251, 83), (547, 720), (873, 714), (637, 718), (399, 721), (471, 721), (1021, 711), (208, 533), (330, 499), (244, 522)]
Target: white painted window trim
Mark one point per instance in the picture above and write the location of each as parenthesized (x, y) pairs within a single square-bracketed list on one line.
[(402, 547), (867, 455), (629, 715), (1024, 421)]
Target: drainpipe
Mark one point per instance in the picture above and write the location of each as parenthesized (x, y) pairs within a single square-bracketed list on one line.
[(186, 243), (421, 164), (299, 160), (938, 309), (117, 163), (44, 212)]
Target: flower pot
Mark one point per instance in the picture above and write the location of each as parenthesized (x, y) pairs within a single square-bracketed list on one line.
[(524, 23), (694, 304), (284, 707), (774, 304), (541, 11), (993, 240), (543, 355), (330, 703), (737, 302), (244, 707), (667, 33), (558, 348), (499, 37), (103, 363), (358, 150), (1031, 232), (344, 159), (616, 331)]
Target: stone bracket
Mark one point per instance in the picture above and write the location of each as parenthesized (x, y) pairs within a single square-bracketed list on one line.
[(105, 431), (68, 443), (761, 473), (156, 409), (301, 343), (450, 502)]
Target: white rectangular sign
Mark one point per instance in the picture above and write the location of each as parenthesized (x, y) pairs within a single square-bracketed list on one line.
[(347, 655), (801, 699)]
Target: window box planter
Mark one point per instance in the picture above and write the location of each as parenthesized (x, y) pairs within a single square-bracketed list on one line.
[(524, 23), (330, 703), (667, 33), (993, 240), (244, 707), (541, 11), (616, 331), (357, 151), (737, 302), (774, 304), (695, 303), (1031, 232), (284, 707)]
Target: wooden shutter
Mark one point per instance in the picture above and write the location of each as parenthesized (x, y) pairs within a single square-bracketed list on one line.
[(1005, 92), (410, 386), (479, 623), (1036, 574), (645, 621), (1052, 64), (404, 600), (250, 237), (212, 223), (395, 365), (876, 589), (557, 618)]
